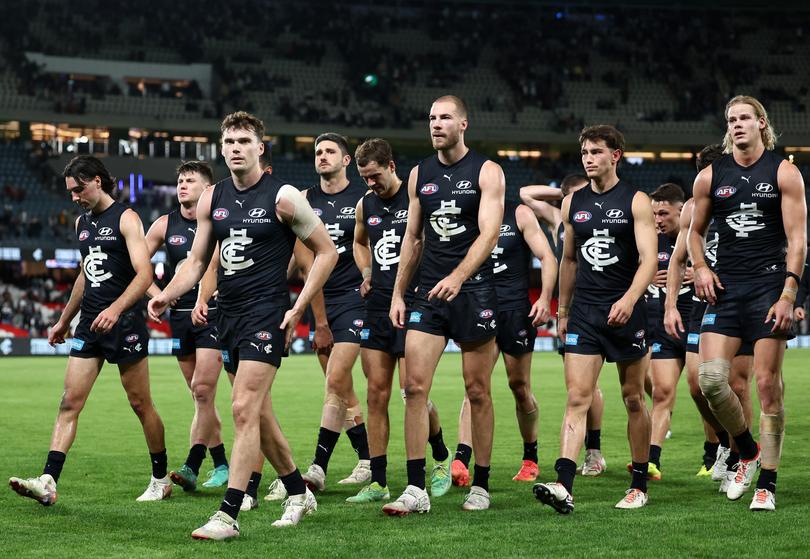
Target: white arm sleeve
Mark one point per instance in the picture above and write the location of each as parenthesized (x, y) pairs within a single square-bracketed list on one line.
[(304, 219)]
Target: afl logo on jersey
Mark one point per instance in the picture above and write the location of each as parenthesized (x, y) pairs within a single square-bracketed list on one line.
[(219, 214), (374, 220), (257, 212), (429, 189), (764, 187), (177, 240), (264, 336), (663, 256), (725, 191), (84, 234), (582, 217), (104, 231), (318, 211), (131, 339), (486, 313), (463, 185)]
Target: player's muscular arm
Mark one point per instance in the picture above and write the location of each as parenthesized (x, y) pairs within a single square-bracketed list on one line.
[(132, 231), (197, 262), (794, 218), (706, 281), (673, 322), (208, 286), (294, 210), (647, 245), (154, 240), (535, 197), (361, 250), (61, 328), (409, 254), (490, 216), (568, 270), (536, 239)]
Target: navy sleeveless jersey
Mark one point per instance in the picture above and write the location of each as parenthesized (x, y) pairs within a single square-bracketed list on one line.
[(254, 246), (386, 220), (747, 209), (607, 255), (449, 196), (655, 295), (179, 237), (511, 259), (337, 213), (105, 259)]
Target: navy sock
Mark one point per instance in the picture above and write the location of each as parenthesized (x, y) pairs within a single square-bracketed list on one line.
[(655, 455), (566, 471), (746, 445), (731, 461), (253, 484), (416, 472), (294, 483), (767, 480), (722, 436), (54, 464), (195, 458), (481, 477), (709, 453), (232, 501), (530, 451), (639, 476), (326, 444), (593, 439), (159, 462), (359, 439), (438, 448), (464, 453), (218, 455), (378, 467)]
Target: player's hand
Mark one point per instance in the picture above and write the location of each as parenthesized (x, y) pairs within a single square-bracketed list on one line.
[(660, 279), (447, 289), (291, 318), (688, 276), (57, 333), (562, 328), (620, 312), (156, 307), (540, 312), (706, 284), (398, 312), (798, 314), (673, 323), (199, 316), (322, 340), (781, 313), (365, 287), (105, 321)]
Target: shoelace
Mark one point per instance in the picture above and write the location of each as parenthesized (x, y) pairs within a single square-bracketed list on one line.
[(761, 496), (742, 468), (631, 496)]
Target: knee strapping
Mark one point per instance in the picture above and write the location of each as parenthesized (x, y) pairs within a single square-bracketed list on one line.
[(771, 435), (713, 379), (354, 416)]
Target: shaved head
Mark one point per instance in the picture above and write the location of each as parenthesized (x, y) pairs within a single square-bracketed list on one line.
[(461, 106)]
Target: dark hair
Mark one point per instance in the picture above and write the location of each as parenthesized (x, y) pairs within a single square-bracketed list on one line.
[(84, 168), (266, 159), (707, 155), (461, 106), (201, 167), (374, 149), (242, 120), (340, 140), (570, 181), (608, 134), (668, 192)]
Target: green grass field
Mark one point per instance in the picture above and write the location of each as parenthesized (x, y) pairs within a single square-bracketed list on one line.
[(109, 466)]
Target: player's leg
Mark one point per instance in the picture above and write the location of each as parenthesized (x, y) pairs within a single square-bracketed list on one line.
[(715, 435), (461, 462), (80, 376), (665, 376), (632, 376), (378, 367), (186, 475), (519, 371), (208, 426), (594, 464)]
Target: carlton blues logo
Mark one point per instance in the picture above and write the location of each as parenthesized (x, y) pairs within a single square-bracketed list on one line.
[(177, 240), (374, 220), (429, 189), (84, 235), (582, 217), (219, 214), (725, 191)]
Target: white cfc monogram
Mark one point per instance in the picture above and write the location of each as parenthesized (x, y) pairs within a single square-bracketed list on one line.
[(229, 253), (596, 250), (385, 250), (499, 266), (744, 220), (93, 267), (336, 233), (443, 222)]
